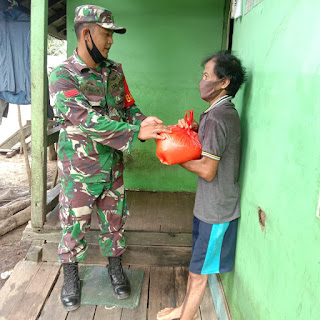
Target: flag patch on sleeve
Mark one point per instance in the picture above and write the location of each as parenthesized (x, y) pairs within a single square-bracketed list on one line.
[(71, 93), (129, 101)]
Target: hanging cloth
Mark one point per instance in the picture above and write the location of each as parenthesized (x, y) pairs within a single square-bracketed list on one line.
[(15, 84), (4, 108)]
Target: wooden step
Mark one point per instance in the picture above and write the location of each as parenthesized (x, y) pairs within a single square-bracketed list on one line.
[(144, 248), (134, 255), (133, 237)]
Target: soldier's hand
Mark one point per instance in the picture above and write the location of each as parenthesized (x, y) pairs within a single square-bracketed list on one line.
[(150, 121), (182, 123), (152, 131)]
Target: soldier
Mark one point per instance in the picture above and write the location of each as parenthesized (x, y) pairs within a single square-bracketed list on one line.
[(99, 121)]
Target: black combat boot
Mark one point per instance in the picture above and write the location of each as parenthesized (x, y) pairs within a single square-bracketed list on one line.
[(70, 291), (119, 281)]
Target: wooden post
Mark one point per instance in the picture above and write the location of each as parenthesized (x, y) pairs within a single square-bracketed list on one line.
[(226, 26), (24, 147), (39, 87)]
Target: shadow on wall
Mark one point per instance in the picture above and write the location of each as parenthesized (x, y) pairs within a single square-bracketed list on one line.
[(232, 278), (246, 104)]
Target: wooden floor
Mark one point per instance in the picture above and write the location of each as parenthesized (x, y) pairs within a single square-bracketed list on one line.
[(159, 238), (33, 292)]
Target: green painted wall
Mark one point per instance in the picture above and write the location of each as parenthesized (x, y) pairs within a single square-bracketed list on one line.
[(277, 271), (161, 55)]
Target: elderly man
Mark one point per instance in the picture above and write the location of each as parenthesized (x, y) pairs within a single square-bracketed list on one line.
[(99, 121), (217, 205)]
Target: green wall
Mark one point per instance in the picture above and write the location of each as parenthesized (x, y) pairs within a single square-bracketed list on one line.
[(277, 271), (161, 55)]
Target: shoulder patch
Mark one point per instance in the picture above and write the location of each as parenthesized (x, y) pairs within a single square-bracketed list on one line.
[(62, 72), (71, 93), (129, 98)]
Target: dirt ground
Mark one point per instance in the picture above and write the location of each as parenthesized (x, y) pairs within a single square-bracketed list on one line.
[(13, 175)]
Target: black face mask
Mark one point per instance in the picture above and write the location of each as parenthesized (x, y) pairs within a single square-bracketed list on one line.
[(94, 52)]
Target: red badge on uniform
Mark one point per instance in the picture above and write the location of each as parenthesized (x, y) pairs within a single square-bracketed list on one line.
[(129, 101), (71, 93)]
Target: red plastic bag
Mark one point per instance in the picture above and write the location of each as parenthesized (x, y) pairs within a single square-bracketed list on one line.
[(180, 145)]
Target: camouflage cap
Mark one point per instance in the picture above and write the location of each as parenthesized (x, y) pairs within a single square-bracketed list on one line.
[(101, 16)]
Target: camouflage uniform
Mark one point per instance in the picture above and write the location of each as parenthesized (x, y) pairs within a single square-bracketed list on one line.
[(99, 121)]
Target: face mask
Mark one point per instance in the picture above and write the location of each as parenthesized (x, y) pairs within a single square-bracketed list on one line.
[(94, 52), (207, 89)]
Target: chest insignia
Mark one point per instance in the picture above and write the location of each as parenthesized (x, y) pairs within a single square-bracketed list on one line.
[(91, 87)]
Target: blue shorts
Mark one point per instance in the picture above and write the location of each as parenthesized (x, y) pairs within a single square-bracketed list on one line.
[(214, 247)]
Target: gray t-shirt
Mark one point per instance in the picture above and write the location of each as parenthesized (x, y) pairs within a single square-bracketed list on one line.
[(218, 201)]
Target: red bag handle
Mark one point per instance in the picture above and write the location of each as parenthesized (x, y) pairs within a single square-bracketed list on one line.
[(190, 118)]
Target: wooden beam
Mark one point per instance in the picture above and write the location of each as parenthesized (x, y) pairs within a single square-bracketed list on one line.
[(52, 136), (39, 96), (134, 255), (24, 9), (62, 27), (53, 32), (15, 149), (226, 26), (6, 150), (15, 138), (58, 15), (52, 198), (53, 2), (25, 147), (157, 239)]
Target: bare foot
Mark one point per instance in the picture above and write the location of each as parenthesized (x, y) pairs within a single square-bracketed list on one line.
[(169, 314)]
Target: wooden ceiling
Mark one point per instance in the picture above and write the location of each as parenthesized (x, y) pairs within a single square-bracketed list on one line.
[(57, 24)]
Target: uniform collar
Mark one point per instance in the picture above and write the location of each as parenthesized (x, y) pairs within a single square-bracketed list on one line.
[(219, 102), (80, 65)]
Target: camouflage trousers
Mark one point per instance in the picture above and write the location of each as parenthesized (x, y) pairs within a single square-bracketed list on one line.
[(76, 203)]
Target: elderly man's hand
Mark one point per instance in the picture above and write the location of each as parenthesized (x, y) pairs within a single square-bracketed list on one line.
[(182, 123)]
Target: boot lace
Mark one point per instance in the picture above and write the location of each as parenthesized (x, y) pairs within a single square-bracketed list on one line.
[(71, 279), (115, 269)]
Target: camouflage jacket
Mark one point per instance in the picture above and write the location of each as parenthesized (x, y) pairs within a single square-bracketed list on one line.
[(98, 119)]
